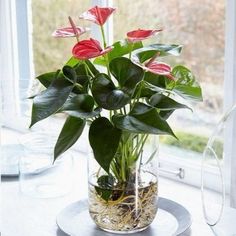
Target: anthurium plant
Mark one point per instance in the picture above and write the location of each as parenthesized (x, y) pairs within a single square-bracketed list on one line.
[(123, 106)]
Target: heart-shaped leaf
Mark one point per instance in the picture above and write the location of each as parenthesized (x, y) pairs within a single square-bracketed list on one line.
[(145, 53), (107, 95), (165, 103), (142, 119), (81, 106), (126, 73), (51, 99), (46, 79), (70, 133), (120, 49), (186, 84), (104, 139)]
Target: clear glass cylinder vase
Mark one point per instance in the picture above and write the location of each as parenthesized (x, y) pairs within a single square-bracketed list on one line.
[(125, 199), (219, 178)]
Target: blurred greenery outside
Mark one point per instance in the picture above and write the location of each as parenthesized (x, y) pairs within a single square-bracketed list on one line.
[(198, 25), (192, 142)]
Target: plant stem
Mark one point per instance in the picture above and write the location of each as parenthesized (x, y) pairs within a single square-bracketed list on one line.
[(152, 59), (131, 49), (74, 28)]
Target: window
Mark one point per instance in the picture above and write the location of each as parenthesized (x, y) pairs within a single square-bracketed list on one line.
[(197, 25)]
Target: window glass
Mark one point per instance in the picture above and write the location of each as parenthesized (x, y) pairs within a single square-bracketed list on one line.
[(51, 53), (199, 26)]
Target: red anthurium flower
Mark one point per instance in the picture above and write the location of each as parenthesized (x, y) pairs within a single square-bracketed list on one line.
[(159, 68), (141, 34), (68, 32), (98, 15), (87, 49)]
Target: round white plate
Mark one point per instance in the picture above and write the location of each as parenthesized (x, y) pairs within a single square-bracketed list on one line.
[(172, 219)]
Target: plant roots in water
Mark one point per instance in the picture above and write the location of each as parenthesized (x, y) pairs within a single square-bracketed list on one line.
[(130, 209)]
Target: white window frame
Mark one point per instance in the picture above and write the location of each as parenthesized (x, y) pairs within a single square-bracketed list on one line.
[(192, 172)]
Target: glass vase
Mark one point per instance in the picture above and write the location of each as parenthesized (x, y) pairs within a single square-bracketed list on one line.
[(39, 175), (125, 200), (218, 177)]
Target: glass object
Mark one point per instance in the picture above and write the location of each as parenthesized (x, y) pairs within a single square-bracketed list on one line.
[(39, 176), (218, 181), (125, 201), (199, 34)]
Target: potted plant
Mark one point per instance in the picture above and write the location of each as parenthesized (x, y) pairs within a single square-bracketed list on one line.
[(124, 107)]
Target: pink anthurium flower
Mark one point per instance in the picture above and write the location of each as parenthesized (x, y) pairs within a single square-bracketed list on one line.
[(87, 49), (69, 32), (159, 68), (98, 15), (141, 34)]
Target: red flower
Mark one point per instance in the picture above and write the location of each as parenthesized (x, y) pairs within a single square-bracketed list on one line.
[(141, 34), (68, 32), (87, 49), (98, 15)]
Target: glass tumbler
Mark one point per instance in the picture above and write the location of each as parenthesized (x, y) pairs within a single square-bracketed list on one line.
[(39, 175)]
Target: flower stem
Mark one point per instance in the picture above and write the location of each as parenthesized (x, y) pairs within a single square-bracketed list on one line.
[(131, 49), (103, 37), (152, 59), (74, 28)]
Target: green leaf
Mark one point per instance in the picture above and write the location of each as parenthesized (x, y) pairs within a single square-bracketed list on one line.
[(70, 133), (105, 183), (157, 80), (51, 99), (70, 73), (107, 95), (186, 84), (47, 78), (92, 68), (72, 62), (104, 139), (147, 90), (126, 73), (120, 48), (142, 119), (165, 103), (166, 114), (145, 53), (80, 106)]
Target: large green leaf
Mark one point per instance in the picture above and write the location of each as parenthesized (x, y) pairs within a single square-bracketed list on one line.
[(186, 84), (165, 103), (81, 105), (51, 99), (142, 119), (145, 53), (126, 73), (157, 80), (104, 139), (47, 78), (120, 48), (70, 133), (107, 95)]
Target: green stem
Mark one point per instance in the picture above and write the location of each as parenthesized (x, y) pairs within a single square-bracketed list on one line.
[(131, 49), (105, 45)]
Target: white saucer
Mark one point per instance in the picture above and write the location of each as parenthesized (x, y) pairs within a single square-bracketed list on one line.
[(172, 219)]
